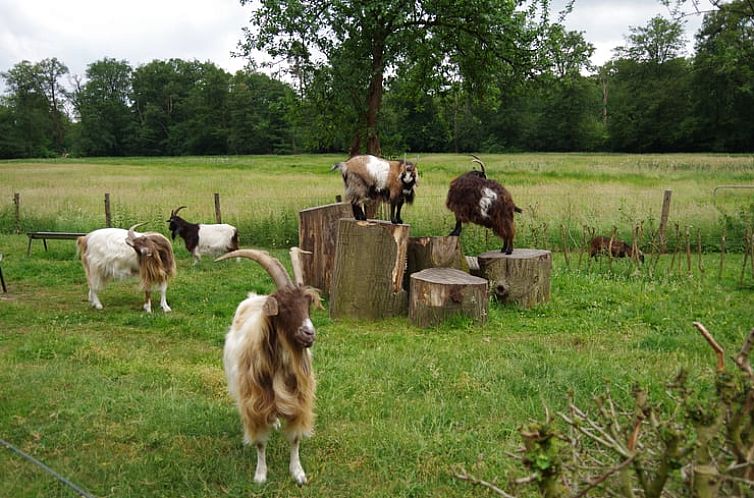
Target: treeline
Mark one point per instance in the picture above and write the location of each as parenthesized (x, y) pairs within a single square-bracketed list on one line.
[(648, 98)]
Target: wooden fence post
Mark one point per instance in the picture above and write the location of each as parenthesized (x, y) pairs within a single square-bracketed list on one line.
[(218, 214), (699, 249), (17, 204), (722, 254), (108, 217), (564, 241), (664, 218), (688, 249)]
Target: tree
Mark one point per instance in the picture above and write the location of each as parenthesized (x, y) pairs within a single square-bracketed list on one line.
[(104, 109), (722, 79), (28, 113), (659, 41), (360, 42)]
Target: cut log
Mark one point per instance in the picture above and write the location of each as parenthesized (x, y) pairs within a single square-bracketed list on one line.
[(370, 261), (433, 252), (439, 293), (317, 234), (522, 277)]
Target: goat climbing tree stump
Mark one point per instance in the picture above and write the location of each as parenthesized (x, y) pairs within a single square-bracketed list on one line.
[(522, 277), (434, 252), (370, 260), (438, 293), (317, 233)]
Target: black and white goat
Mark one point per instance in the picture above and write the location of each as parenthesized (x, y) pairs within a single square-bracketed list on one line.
[(474, 198), (268, 363), (115, 253), (200, 238), (371, 178)]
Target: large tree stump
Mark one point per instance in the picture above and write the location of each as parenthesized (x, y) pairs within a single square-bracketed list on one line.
[(522, 277), (438, 293), (370, 260), (317, 233), (433, 252)]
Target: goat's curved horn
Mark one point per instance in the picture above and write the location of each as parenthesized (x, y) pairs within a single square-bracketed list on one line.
[(131, 234), (479, 162), (272, 265), (174, 212)]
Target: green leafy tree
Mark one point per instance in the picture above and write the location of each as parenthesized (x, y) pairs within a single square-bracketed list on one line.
[(27, 113), (661, 40), (360, 42), (260, 115), (723, 79), (103, 105)]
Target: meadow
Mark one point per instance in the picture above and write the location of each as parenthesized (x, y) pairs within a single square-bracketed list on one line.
[(127, 404)]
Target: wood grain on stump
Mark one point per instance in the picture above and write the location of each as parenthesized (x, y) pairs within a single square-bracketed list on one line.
[(522, 277), (318, 233), (438, 293), (433, 252), (370, 260)]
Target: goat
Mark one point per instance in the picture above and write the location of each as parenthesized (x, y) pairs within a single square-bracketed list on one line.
[(199, 238), (372, 178), (473, 198), (618, 248), (115, 253), (268, 363)]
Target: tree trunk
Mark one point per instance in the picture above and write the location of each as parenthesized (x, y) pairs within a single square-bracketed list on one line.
[(522, 277), (374, 98), (318, 234), (438, 293), (434, 252), (370, 260)]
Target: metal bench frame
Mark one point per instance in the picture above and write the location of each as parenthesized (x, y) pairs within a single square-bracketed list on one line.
[(45, 236)]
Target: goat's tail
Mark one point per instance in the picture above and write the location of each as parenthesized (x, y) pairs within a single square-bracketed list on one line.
[(341, 166), (81, 244), (517, 209)]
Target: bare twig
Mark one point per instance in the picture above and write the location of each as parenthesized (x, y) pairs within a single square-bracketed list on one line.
[(599, 480), (742, 359), (465, 476), (719, 353)]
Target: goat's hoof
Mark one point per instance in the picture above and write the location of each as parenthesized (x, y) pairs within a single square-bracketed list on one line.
[(299, 476), (260, 478), (97, 306), (148, 309), (166, 309)]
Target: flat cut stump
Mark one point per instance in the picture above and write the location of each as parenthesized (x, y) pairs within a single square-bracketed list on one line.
[(438, 293), (522, 277)]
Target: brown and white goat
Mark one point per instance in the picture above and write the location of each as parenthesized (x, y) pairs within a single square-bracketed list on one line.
[(617, 248), (200, 238), (371, 178), (473, 198), (268, 363), (115, 253)]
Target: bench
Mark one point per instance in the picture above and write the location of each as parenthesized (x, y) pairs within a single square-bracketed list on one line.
[(45, 236)]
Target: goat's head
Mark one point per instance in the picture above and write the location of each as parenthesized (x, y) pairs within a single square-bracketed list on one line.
[(175, 221), (483, 173), (288, 307), (143, 246), (409, 175)]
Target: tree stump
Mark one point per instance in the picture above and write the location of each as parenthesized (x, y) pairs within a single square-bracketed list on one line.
[(370, 260), (522, 277), (318, 233), (438, 293), (433, 252)]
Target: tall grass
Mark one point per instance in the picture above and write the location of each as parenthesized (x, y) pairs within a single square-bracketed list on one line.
[(560, 194)]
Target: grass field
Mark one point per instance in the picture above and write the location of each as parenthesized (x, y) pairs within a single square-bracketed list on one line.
[(127, 404)]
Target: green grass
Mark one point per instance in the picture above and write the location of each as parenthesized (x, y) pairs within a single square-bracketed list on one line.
[(127, 404), (131, 405)]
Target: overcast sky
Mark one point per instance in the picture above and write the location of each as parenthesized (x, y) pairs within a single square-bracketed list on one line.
[(79, 32)]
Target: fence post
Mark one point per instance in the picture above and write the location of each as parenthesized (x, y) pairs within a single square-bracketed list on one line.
[(218, 214), (664, 218), (108, 217), (17, 208)]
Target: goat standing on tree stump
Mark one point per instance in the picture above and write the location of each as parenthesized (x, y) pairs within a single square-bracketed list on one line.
[(268, 363), (372, 178), (473, 198)]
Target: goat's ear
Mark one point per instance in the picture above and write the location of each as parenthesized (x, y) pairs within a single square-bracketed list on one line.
[(314, 297), (270, 307)]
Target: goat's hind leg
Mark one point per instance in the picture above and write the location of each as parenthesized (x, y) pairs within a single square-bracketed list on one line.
[(297, 471), (163, 297)]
